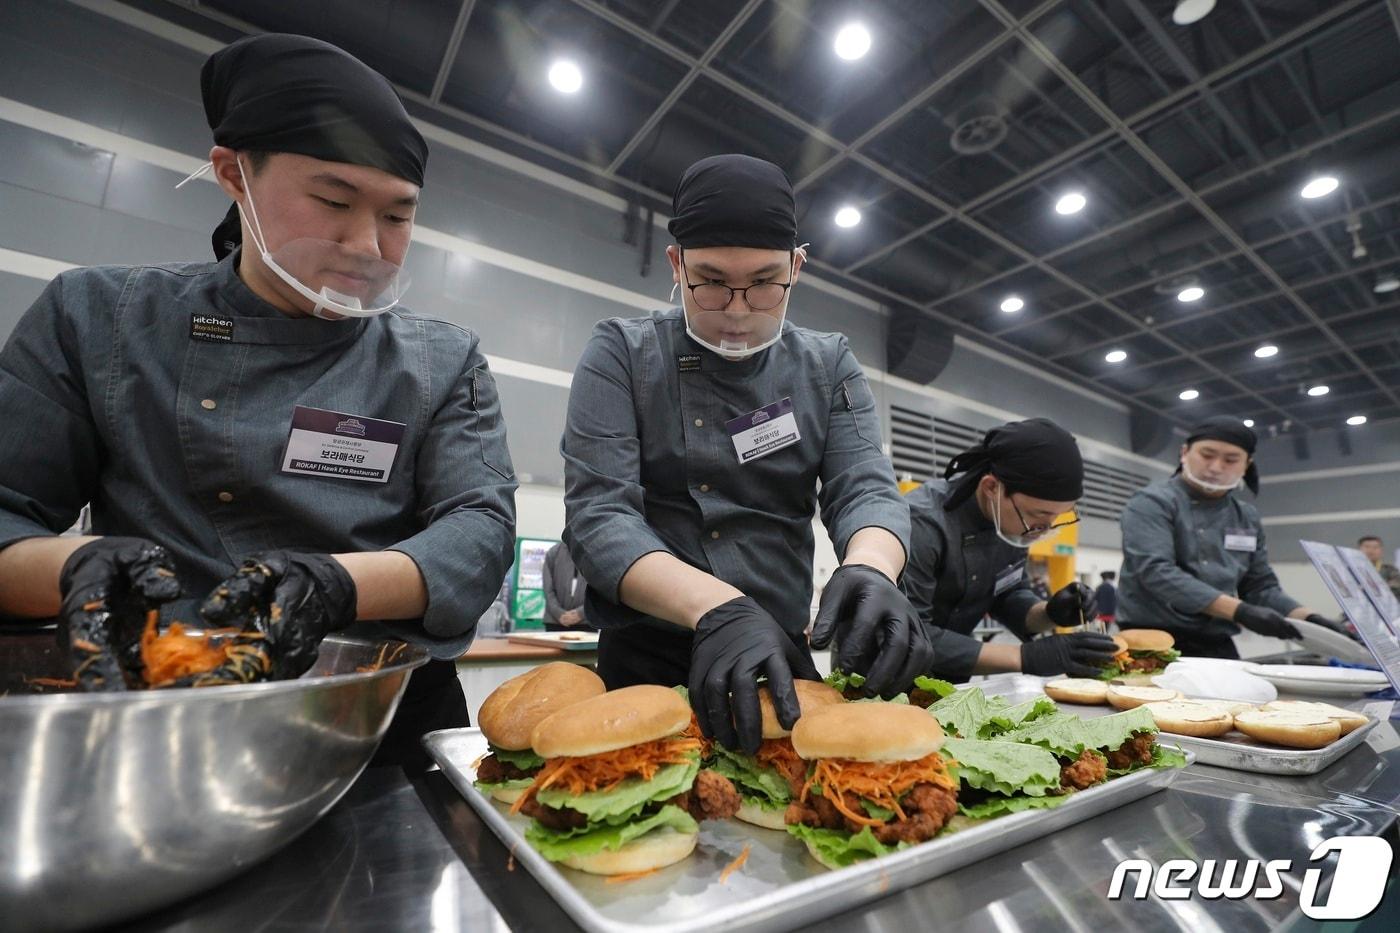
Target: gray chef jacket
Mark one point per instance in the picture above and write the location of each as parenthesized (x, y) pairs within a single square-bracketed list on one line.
[(107, 396), (959, 571), (650, 466), (1177, 560)]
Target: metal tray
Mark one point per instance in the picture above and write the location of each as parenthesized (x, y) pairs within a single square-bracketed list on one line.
[(1233, 750), (780, 886)]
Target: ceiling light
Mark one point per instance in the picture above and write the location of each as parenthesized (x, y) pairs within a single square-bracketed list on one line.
[(1249, 422), (1115, 356), (1266, 351), (1319, 187), (1189, 395), (1317, 391), (1356, 420), (1071, 203), (565, 76), (1191, 293), (1011, 304), (1191, 11), (847, 216), (852, 41), (1386, 283)]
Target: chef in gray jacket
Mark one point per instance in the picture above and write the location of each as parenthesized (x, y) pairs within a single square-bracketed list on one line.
[(273, 420), (1194, 559), (967, 555), (695, 442)]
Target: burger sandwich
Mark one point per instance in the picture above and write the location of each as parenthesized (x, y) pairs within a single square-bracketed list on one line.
[(1143, 651)]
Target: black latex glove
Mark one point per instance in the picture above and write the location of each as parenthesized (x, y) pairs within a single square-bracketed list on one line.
[(108, 586), (878, 631), (1072, 606), (293, 599), (736, 643), (1266, 621), (1340, 626), (1078, 654)]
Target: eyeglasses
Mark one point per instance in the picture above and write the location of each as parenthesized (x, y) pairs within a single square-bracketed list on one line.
[(1037, 531), (711, 296)]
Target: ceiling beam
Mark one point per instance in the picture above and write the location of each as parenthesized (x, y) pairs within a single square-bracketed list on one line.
[(454, 45)]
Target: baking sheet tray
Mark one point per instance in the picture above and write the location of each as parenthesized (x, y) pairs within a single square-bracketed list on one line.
[(569, 641), (779, 887)]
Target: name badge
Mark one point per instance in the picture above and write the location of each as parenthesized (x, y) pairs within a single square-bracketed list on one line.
[(1240, 539), (341, 446), (761, 432), (1009, 578)]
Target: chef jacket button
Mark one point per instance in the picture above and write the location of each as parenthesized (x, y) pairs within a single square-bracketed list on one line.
[(714, 535), (225, 497), (699, 422), (209, 404), (704, 487), (974, 578)]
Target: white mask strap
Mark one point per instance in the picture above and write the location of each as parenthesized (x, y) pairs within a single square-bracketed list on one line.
[(197, 173)]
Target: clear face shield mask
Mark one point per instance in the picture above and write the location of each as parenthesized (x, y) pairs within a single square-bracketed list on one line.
[(352, 284), (1015, 540), (1205, 484), (736, 334)]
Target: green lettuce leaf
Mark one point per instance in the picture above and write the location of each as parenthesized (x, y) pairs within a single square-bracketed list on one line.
[(875, 811), (840, 848), (1001, 806), (939, 688), (524, 759), (965, 712), (1069, 735), (559, 846), (626, 800), (683, 690), (840, 680), (517, 784), (1018, 715), (1166, 657), (901, 698), (1004, 767), (1109, 732), (1163, 756), (762, 784)]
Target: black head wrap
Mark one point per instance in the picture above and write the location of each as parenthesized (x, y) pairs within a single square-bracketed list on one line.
[(1230, 431), (282, 93), (1036, 457), (734, 200)]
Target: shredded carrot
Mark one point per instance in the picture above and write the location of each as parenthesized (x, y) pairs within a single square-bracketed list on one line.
[(692, 731), (629, 876), (609, 769), (880, 782), (177, 653), (735, 865), (95, 605), (386, 656), (776, 750), (51, 681)]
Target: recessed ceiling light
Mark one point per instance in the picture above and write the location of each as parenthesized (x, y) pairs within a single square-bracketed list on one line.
[(1189, 395), (1115, 356), (1249, 422), (565, 77), (1356, 420), (1266, 351), (1071, 203), (847, 216), (852, 41), (1386, 283), (1191, 293), (1316, 391), (1319, 187), (1191, 11), (1012, 303)]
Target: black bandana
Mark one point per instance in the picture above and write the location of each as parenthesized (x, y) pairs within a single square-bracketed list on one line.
[(283, 93), (1037, 458), (734, 200), (1230, 431)]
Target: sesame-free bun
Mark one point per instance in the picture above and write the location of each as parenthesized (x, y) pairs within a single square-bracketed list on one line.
[(867, 732), (1126, 697), (610, 721), (1290, 728), (514, 708), (507, 794), (656, 849), (751, 812), (1349, 720), (1183, 717), (1121, 642), (811, 694), (1147, 639), (1077, 690)]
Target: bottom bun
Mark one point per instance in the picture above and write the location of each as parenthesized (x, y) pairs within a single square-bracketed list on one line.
[(1126, 697), (1349, 720), (507, 794), (1183, 717), (816, 854), (657, 849), (761, 816), (1077, 690), (1294, 730)]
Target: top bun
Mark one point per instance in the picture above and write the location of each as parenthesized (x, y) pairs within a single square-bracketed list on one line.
[(514, 708), (811, 695), (1147, 639), (867, 732), (1121, 642), (611, 721)]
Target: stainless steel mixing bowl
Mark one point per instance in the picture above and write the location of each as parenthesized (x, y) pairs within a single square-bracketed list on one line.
[(112, 805)]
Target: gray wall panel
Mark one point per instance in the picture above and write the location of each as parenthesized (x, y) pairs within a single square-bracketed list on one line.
[(53, 165), (534, 414), (17, 293)]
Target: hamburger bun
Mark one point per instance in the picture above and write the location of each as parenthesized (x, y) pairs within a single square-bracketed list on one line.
[(813, 851), (1077, 690), (514, 708), (1289, 728), (1126, 697), (1349, 720), (1121, 642), (508, 795), (657, 849), (811, 694), (1186, 717), (759, 816), (1147, 639), (610, 721), (867, 732)]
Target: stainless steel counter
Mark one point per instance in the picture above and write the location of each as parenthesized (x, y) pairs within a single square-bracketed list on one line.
[(400, 855)]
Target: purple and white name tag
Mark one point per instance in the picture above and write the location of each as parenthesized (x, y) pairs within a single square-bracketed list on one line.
[(341, 446), (761, 432)]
